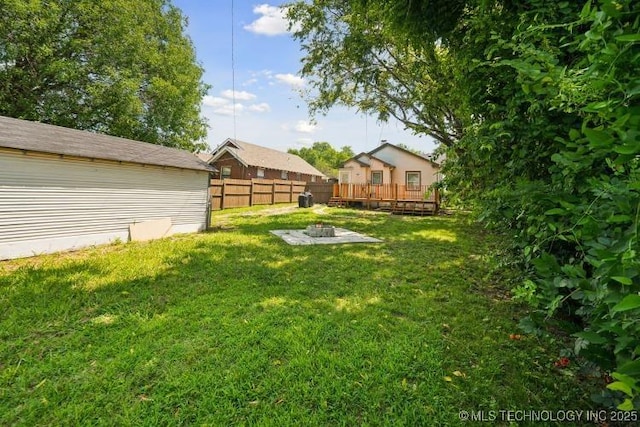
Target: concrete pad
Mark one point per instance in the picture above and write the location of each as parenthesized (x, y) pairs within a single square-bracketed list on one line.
[(148, 230), (299, 237)]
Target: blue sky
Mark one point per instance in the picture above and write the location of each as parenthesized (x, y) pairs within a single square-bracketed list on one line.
[(268, 108)]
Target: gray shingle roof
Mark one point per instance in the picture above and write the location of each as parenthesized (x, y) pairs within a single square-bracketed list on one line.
[(35, 136), (255, 155)]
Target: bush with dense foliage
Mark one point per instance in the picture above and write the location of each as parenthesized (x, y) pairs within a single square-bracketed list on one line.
[(548, 96), (557, 153)]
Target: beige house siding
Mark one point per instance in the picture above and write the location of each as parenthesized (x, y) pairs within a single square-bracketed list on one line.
[(394, 164), (356, 171), (406, 162), (428, 173), (377, 165)]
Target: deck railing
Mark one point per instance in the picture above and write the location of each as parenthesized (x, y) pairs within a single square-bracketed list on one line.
[(386, 192)]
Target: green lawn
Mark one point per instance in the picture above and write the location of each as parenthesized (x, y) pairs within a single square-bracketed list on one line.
[(236, 327)]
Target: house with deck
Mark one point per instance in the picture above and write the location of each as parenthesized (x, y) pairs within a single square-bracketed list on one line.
[(389, 177), (237, 159)]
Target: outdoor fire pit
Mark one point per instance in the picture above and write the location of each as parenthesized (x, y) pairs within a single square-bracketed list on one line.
[(321, 234), (320, 230)]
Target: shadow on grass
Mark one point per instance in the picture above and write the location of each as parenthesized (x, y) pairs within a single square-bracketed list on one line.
[(236, 326)]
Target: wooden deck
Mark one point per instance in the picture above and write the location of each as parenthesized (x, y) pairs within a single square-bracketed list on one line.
[(396, 198)]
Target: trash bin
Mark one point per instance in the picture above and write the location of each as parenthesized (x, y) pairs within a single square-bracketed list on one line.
[(310, 198), (303, 200)]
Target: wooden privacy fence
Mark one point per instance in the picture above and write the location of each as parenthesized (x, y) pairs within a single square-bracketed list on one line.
[(322, 191), (237, 193)]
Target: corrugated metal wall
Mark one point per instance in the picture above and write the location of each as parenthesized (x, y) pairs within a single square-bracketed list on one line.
[(50, 203)]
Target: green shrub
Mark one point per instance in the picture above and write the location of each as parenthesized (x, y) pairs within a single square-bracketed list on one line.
[(570, 188)]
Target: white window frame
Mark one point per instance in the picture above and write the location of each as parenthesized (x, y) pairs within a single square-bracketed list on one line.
[(224, 175), (284, 175), (260, 173)]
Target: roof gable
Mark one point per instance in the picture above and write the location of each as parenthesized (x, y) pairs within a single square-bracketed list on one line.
[(35, 136), (364, 159), (387, 145), (263, 157)]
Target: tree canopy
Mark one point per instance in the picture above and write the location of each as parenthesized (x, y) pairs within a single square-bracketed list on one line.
[(542, 140), (353, 58), (114, 66), (324, 157)]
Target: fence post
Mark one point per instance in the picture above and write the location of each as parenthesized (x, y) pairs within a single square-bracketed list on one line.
[(224, 189), (251, 193), (273, 191), (290, 191)]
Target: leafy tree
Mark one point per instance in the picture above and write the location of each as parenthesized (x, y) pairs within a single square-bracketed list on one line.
[(114, 66), (324, 157), (353, 59)]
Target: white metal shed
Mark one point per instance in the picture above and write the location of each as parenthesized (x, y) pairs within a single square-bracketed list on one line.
[(63, 189)]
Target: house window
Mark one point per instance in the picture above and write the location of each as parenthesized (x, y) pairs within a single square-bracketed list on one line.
[(376, 177), (413, 180), (313, 178), (260, 173), (284, 175), (225, 172)]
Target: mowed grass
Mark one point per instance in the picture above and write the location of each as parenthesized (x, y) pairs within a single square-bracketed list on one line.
[(236, 327)]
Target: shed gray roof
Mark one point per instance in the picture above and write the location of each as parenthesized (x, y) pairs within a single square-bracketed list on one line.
[(44, 138), (268, 158)]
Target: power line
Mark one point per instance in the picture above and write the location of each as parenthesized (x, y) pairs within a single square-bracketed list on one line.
[(380, 136), (366, 130), (233, 70)]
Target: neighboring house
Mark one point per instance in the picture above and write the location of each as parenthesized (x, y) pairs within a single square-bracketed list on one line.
[(241, 160), (389, 164), (63, 189)]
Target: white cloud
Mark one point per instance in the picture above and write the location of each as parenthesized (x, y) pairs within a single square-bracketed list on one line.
[(271, 23), (290, 79), (214, 101), (263, 107), (303, 126), (250, 82), (227, 109), (241, 95)]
